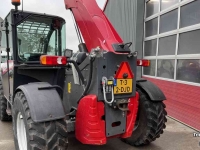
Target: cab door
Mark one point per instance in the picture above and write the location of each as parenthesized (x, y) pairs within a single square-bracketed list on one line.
[(6, 58)]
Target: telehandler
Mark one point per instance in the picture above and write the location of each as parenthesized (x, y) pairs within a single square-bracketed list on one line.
[(48, 91)]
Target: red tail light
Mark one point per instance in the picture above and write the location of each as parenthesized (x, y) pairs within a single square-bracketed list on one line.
[(53, 60), (143, 62)]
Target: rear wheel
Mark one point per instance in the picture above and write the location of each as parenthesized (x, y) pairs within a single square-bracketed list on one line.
[(50, 135), (3, 106), (150, 121)]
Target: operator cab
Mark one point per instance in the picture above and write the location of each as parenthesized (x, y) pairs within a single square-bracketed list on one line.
[(40, 35), (31, 35)]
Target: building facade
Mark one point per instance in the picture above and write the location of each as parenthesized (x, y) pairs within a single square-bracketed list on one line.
[(124, 16), (167, 32)]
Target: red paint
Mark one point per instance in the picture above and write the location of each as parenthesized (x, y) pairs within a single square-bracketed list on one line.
[(124, 68), (94, 25), (132, 115), (90, 128), (183, 101)]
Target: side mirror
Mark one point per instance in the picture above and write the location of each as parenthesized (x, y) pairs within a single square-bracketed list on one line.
[(68, 53)]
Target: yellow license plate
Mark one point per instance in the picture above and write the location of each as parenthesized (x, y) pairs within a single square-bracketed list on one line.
[(123, 86)]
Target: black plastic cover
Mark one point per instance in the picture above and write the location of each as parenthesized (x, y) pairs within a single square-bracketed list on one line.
[(121, 48), (80, 57), (82, 47), (151, 89), (45, 105)]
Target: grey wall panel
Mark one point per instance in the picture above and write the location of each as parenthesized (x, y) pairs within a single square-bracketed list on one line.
[(127, 16), (121, 14)]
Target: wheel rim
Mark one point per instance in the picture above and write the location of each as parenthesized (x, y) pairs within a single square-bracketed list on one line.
[(21, 132)]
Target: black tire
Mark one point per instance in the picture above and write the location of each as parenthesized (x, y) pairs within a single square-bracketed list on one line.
[(3, 106), (50, 135), (150, 122)]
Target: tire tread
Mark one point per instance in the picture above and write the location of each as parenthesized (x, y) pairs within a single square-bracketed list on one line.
[(3, 106), (44, 136), (156, 119)]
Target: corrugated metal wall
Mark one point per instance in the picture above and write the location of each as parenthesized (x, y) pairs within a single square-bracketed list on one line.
[(127, 16), (182, 101)]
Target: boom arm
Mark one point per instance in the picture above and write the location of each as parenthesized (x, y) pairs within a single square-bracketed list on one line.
[(96, 29)]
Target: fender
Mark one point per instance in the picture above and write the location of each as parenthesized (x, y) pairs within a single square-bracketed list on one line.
[(45, 104), (153, 91)]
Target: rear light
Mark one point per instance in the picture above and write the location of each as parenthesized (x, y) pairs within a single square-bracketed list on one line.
[(53, 60), (143, 62)]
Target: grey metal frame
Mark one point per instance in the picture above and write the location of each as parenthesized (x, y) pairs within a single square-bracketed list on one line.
[(177, 32)]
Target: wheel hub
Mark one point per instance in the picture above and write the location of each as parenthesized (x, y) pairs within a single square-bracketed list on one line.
[(21, 132)]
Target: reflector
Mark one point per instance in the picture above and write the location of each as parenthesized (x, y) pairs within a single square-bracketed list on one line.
[(16, 2), (143, 62), (123, 70), (53, 60)]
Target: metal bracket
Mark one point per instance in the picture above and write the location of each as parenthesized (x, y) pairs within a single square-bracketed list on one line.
[(105, 85), (70, 125), (96, 52)]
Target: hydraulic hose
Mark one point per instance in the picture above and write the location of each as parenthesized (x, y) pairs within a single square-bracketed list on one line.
[(78, 70), (89, 80)]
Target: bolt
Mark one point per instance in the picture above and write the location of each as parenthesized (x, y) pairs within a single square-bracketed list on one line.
[(125, 75), (50, 116)]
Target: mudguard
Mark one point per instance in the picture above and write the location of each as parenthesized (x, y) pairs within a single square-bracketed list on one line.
[(153, 91), (45, 104)]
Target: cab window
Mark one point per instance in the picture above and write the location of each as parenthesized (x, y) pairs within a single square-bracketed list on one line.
[(38, 36)]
